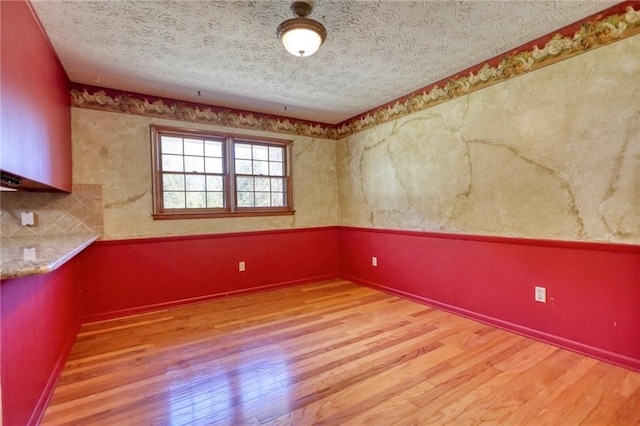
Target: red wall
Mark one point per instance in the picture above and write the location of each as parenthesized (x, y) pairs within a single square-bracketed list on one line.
[(593, 290), (125, 277), (40, 320), (35, 112)]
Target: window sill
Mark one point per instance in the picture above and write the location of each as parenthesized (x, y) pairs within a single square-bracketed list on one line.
[(209, 215)]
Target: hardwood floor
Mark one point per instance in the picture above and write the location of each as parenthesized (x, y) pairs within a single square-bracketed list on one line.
[(329, 353)]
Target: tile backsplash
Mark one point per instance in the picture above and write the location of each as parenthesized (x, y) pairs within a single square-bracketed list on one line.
[(55, 213)]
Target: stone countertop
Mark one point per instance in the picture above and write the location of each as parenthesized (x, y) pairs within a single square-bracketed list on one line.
[(25, 256)]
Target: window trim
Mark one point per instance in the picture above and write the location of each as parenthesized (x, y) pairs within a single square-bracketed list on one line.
[(230, 193)]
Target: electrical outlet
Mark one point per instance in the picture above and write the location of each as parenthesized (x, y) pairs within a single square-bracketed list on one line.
[(241, 266), (27, 218), (29, 254), (541, 294), (374, 261)]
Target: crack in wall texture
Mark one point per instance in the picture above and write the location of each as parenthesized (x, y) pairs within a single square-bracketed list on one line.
[(553, 154)]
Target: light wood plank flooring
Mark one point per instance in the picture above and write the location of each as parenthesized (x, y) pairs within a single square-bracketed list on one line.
[(329, 353)]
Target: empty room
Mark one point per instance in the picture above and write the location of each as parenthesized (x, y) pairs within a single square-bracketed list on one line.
[(332, 212)]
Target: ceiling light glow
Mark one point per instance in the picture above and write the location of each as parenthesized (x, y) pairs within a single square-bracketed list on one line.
[(301, 36)]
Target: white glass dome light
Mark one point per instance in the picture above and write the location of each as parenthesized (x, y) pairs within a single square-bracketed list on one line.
[(301, 36), (301, 41)]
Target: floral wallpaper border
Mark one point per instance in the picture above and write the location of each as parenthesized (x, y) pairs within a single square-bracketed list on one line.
[(600, 32), (92, 97)]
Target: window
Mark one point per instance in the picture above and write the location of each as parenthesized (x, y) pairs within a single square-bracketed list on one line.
[(198, 174)]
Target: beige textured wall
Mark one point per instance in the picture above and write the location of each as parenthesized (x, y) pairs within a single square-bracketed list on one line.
[(551, 154), (113, 150)]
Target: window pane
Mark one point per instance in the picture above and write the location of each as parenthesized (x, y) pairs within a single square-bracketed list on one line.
[(242, 151), (213, 148), (194, 164), (214, 183), (244, 183), (193, 147), (215, 199), (243, 167), (172, 163), (260, 152), (171, 145), (245, 199), (213, 165), (173, 200), (173, 182), (260, 168), (196, 200), (277, 184), (263, 199), (195, 182), (276, 169), (276, 154), (277, 199), (262, 184)]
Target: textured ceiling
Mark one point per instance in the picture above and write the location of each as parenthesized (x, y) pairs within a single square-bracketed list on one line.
[(376, 51)]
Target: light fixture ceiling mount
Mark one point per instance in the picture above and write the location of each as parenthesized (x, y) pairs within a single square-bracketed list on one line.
[(301, 36)]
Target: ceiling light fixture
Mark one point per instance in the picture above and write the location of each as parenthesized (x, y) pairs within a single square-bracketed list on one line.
[(301, 36)]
